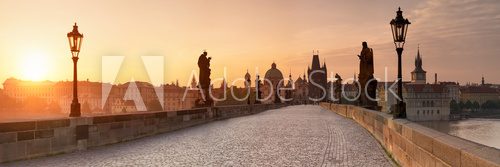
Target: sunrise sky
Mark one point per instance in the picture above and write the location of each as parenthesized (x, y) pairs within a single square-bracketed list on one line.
[(459, 39)]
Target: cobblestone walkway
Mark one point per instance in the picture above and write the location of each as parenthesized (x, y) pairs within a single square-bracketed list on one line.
[(291, 136)]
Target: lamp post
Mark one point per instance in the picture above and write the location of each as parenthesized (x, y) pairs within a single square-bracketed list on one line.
[(399, 27), (75, 42)]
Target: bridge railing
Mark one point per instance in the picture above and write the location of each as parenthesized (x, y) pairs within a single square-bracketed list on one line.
[(29, 139), (411, 144)]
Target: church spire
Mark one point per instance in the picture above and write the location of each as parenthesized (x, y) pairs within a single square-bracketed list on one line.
[(324, 63), (290, 80), (418, 61), (418, 75), (247, 76), (305, 79), (193, 83)]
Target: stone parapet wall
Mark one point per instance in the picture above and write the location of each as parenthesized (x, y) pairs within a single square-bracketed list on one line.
[(30, 139), (411, 144)]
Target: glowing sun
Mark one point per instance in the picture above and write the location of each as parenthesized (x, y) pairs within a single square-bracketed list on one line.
[(35, 67)]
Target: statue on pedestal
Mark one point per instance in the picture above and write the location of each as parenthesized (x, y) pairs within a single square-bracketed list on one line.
[(204, 65), (257, 90), (338, 88), (366, 80), (248, 85)]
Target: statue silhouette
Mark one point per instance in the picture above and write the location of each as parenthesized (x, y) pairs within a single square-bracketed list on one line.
[(257, 90), (204, 77), (366, 79), (338, 88)]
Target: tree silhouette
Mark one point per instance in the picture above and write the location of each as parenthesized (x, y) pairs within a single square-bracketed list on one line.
[(491, 105), (476, 106), (461, 105), (454, 106), (468, 104)]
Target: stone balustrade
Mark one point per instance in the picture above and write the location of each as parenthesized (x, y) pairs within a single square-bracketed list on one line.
[(30, 139), (411, 144)]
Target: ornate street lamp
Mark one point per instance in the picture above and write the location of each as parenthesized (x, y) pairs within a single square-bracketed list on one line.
[(75, 42), (399, 27)]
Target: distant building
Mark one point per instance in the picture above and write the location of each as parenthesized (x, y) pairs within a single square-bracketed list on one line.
[(90, 95), (20, 90), (123, 106), (220, 93), (453, 90), (143, 94), (248, 80), (61, 93), (177, 98), (300, 95), (385, 98), (351, 92), (1, 92), (480, 94), (424, 102), (273, 80), (317, 75), (418, 75)]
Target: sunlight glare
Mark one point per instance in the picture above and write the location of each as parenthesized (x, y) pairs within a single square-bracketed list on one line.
[(35, 67)]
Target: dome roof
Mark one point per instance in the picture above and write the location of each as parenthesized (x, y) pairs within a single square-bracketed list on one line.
[(273, 73)]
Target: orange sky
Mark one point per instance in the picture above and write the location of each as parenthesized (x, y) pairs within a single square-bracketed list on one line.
[(246, 34)]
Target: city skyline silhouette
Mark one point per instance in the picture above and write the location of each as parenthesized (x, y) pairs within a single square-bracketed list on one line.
[(249, 83)]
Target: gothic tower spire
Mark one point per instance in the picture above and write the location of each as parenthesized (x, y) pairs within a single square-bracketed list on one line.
[(418, 75)]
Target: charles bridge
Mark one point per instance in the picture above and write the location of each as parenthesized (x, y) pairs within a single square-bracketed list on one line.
[(262, 135)]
